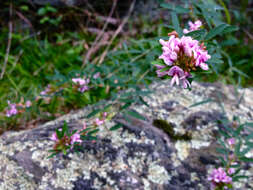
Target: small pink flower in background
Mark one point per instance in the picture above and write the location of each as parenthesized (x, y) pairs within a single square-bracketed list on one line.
[(193, 26), (75, 138), (219, 176), (82, 83), (28, 103), (84, 126), (96, 75), (105, 114), (45, 92), (231, 171), (98, 121), (231, 141), (12, 110), (54, 137)]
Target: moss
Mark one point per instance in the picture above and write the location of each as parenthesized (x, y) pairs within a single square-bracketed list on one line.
[(169, 130)]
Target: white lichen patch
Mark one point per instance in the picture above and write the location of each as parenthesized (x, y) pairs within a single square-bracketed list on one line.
[(183, 149), (14, 177), (196, 144), (136, 164), (175, 161), (146, 184), (158, 174)]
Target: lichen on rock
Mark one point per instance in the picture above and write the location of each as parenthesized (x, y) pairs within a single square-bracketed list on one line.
[(136, 156)]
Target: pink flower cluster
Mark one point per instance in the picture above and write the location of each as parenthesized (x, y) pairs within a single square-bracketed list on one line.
[(13, 109), (46, 91), (193, 26), (74, 138), (231, 141), (82, 83), (181, 56), (220, 177), (99, 121)]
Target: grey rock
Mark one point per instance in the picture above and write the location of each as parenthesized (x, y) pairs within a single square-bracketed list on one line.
[(136, 156)]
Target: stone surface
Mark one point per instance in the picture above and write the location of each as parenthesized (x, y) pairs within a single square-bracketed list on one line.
[(136, 156)]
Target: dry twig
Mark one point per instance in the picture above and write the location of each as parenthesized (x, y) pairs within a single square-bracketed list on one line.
[(119, 29), (9, 43), (94, 45)]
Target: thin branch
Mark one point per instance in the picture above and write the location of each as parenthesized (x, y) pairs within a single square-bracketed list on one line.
[(91, 50), (119, 29), (9, 43)]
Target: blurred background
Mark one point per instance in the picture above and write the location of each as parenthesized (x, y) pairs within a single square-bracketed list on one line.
[(48, 42)]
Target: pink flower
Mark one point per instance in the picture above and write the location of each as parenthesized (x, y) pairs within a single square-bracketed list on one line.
[(75, 138), (184, 81), (96, 75), (28, 103), (45, 92), (170, 49), (193, 26), (231, 141), (176, 72), (231, 171), (181, 56), (54, 137), (159, 72), (219, 176), (84, 125), (12, 110), (99, 122), (82, 83), (105, 114)]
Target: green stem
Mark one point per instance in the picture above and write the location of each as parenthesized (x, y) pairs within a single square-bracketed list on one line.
[(226, 11)]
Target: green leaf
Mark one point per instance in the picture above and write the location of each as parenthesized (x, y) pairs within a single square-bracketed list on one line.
[(143, 101), (249, 124), (246, 159), (59, 134), (52, 155), (196, 33), (24, 8), (238, 147), (160, 63), (237, 178), (64, 127), (126, 105), (230, 29), (239, 72), (93, 113), (176, 24), (51, 9), (239, 129), (42, 11), (115, 127), (136, 115), (177, 8), (164, 69), (92, 132), (215, 31), (202, 102), (222, 151)]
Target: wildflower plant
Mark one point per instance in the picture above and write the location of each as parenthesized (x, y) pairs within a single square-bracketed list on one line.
[(64, 140), (235, 146)]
